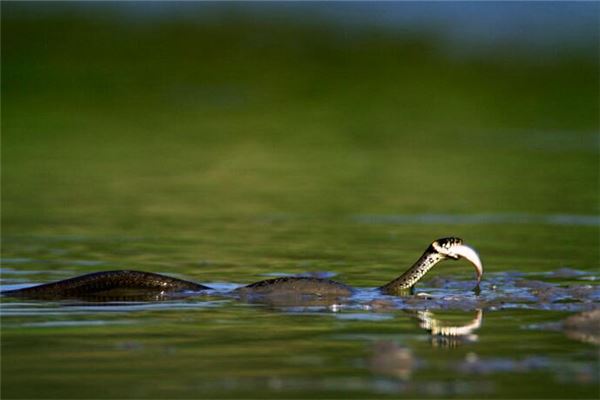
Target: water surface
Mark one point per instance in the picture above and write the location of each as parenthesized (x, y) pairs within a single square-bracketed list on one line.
[(370, 345)]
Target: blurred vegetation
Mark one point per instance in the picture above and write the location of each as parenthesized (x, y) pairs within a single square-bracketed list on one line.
[(117, 124)]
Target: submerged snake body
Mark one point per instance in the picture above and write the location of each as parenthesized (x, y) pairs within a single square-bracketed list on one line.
[(108, 282), (296, 285)]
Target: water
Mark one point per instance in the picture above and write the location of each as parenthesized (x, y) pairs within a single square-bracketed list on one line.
[(371, 345), (233, 152)]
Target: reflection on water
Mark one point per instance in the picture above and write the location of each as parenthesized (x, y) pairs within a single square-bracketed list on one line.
[(395, 360), (437, 327), (584, 326), (392, 359), (446, 335)]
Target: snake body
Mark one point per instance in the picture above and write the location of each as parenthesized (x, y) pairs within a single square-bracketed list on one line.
[(127, 283), (109, 284)]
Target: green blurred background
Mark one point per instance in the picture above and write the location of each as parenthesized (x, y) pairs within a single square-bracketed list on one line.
[(151, 117)]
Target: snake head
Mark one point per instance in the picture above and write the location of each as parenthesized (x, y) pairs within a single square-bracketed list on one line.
[(453, 247)]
